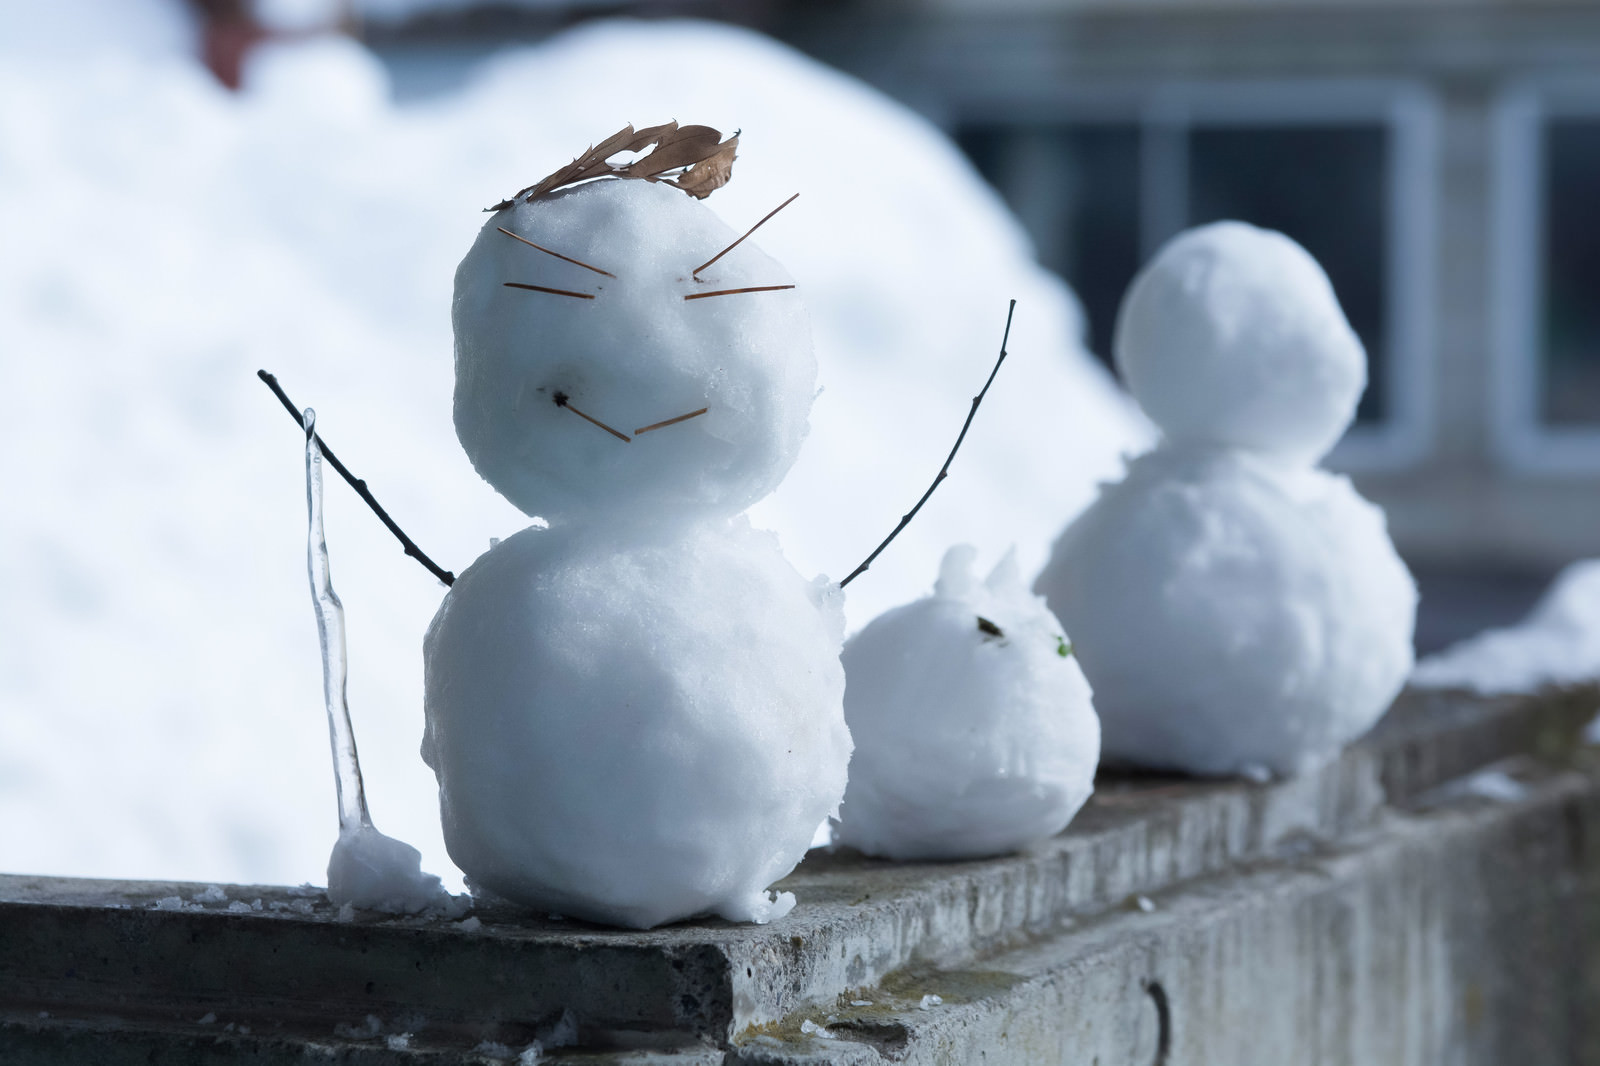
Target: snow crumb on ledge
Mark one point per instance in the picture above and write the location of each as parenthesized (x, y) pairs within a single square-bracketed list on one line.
[(1557, 644), (1491, 783)]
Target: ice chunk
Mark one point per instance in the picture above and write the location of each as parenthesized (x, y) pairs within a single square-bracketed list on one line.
[(374, 872), (975, 734)]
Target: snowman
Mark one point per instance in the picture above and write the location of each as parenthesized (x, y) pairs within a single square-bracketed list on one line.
[(1236, 608), (974, 730), (634, 706)]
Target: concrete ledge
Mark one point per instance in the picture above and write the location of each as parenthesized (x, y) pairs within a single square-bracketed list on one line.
[(1326, 867)]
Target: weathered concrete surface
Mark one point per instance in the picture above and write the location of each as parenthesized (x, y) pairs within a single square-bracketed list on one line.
[(1316, 920)]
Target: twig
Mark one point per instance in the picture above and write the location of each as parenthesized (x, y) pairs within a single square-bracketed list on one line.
[(562, 401), (552, 292), (558, 255), (944, 471), (359, 485), (733, 292), (747, 233), (671, 421)]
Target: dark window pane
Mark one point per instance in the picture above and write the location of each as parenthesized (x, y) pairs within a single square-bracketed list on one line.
[(1325, 186), (1099, 249), (1570, 316), (1077, 187)]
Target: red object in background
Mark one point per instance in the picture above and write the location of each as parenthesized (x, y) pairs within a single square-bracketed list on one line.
[(228, 32)]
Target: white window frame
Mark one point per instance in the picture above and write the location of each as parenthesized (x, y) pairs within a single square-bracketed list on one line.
[(1520, 441), (1165, 113)]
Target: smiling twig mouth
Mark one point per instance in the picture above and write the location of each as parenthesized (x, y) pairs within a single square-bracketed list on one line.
[(563, 401), (671, 421)]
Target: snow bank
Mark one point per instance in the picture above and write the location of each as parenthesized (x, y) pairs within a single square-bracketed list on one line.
[(1558, 643), (158, 657)]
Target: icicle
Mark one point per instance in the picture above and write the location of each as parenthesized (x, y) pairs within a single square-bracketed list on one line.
[(353, 812), (367, 870)]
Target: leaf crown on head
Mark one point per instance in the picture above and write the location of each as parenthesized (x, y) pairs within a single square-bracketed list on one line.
[(694, 158)]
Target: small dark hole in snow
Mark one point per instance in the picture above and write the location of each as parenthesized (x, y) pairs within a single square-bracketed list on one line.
[(560, 397), (986, 626)]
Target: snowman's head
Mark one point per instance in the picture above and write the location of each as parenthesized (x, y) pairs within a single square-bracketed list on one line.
[(641, 392), (1232, 335)]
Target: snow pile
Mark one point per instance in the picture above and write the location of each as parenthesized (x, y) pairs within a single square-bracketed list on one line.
[(158, 677), (1557, 644), (1234, 606), (974, 730)]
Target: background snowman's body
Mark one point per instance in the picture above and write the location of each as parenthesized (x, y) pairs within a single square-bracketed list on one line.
[(636, 715), (1235, 608)]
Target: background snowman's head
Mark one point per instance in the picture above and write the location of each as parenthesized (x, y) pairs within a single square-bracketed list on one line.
[(564, 374), (1232, 335)]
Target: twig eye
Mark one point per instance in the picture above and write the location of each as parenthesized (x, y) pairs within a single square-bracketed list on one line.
[(553, 292), (558, 255), (747, 233)]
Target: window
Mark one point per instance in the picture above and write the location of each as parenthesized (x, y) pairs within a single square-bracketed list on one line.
[(1346, 170), (1546, 400)]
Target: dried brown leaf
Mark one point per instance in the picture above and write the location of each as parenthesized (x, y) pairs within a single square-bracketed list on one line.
[(704, 161), (711, 173)]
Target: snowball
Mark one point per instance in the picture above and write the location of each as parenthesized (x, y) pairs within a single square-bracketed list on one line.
[(631, 731), (1558, 643), (636, 354), (1233, 335), (972, 721), (379, 873), (1230, 611)]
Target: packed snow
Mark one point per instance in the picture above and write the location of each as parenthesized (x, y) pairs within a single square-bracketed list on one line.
[(158, 674), (634, 354), (1233, 336), (974, 729), (1235, 607), (1557, 644), (635, 708)]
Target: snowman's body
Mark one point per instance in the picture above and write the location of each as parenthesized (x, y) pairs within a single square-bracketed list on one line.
[(635, 715), (1234, 607)]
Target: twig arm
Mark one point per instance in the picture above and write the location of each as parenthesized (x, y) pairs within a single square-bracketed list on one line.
[(944, 471), (359, 485)]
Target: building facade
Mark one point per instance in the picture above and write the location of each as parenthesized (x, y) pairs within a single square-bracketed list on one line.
[(1440, 157)]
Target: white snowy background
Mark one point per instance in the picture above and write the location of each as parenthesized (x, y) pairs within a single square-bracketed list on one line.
[(160, 704)]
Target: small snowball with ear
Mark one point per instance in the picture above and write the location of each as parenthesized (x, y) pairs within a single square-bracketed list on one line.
[(974, 727), (1232, 335)]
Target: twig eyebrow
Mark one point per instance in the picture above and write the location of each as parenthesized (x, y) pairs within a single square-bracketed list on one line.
[(747, 233), (730, 292), (562, 401), (671, 421), (554, 292), (566, 258)]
